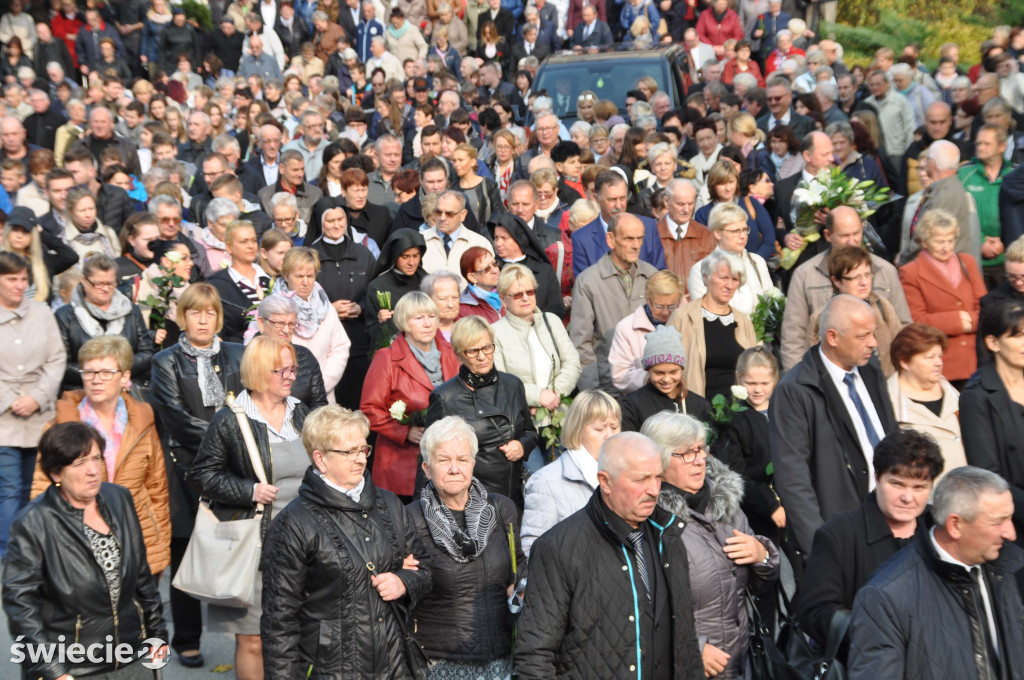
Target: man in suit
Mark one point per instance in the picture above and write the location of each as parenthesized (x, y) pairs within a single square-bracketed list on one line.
[(684, 240), (817, 154), (449, 238), (575, 15), (827, 415), (262, 168), (349, 19), (292, 179), (546, 20), (590, 242), (528, 45), (503, 20), (591, 32), (780, 110), (491, 82)]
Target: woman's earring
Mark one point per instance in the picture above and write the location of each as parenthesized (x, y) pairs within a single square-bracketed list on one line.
[(57, 484)]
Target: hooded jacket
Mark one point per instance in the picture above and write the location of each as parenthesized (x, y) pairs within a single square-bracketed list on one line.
[(549, 293), (387, 279)]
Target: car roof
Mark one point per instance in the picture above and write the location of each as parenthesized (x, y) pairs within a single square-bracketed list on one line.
[(611, 53)]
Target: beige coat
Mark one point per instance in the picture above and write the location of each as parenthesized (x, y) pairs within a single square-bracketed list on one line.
[(410, 46), (945, 427), (689, 321), (887, 325), (33, 365), (435, 260), (514, 353)]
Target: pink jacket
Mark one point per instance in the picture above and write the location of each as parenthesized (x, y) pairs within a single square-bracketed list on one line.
[(627, 349)]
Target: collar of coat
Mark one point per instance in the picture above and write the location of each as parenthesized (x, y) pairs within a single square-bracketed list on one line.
[(726, 493), (1010, 561)]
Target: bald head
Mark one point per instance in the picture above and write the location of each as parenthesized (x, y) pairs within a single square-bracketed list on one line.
[(629, 473), (843, 222), (938, 119), (986, 88), (847, 331)]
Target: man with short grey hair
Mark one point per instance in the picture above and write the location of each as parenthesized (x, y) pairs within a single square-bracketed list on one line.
[(311, 143), (827, 94), (948, 604), (263, 168), (827, 415), (291, 179), (449, 238), (388, 151)]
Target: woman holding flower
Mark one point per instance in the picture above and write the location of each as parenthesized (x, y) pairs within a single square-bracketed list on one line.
[(399, 271), (160, 287)]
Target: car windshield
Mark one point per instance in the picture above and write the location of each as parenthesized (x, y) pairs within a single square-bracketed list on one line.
[(610, 79)]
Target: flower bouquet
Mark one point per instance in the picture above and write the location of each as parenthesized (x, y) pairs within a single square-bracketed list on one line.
[(160, 303), (830, 189), (398, 412), (767, 316), (387, 331), (723, 409)]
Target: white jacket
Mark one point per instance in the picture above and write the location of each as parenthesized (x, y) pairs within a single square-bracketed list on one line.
[(759, 280)]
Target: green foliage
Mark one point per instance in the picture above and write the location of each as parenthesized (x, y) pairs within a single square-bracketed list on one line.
[(199, 13), (767, 317), (552, 432)]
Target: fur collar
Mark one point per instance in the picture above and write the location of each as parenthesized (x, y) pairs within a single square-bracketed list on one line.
[(726, 494)]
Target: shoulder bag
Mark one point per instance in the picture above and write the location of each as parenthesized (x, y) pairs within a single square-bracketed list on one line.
[(222, 559)]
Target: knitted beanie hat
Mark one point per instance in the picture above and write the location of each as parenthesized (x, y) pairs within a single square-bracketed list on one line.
[(664, 346)]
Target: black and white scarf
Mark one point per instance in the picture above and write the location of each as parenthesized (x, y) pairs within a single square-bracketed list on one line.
[(95, 321), (481, 520), (209, 381)]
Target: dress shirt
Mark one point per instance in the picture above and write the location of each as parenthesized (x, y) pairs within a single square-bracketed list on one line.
[(837, 374)]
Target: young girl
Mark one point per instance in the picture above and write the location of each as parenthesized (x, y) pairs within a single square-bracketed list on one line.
[(274, 245)]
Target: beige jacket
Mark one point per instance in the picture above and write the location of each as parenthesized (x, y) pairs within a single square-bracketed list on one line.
[(945, 427), (435, 260), (689, 321), (514, 353), (33, 365)]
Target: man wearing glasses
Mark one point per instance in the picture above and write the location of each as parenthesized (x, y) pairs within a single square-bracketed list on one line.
[(311, 143), (780, 110), (448, 239)]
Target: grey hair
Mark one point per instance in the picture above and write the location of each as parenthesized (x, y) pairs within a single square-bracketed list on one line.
[(581, 126), (945, 155), (960, 83), (959, 491), (222, 83), (678, 183), (648, 121), (289, 155), (276, 304), (320, 15), (527, 27), (658, 150), (56, 65), (738, 79), (26, 73), (711, 264), (448, 429), (203, 116), (816, 55), (673, 431), (457, 195), (219, 208), (835, 316), (155, 175), (542, 104), (828, 89), (996, 103), (619, 129), (612, 460), (902, 70), (162, 200), (225, 141), (283, 198), (840, 128), (427, 286), (385, 139), (377, 39)]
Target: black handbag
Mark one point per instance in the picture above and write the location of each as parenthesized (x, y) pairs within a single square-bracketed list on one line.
[(767, 661)]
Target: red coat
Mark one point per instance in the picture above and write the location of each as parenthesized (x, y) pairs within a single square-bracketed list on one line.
[(714, 33), (395, 374), (934, 301), (63, 27), (775, 59), (729, 71)]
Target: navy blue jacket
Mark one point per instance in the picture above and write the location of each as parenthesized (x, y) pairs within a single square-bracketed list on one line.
[(589, 244)]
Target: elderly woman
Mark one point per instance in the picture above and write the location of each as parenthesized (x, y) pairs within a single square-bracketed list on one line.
[(458, 36), (98, 308), (340, 570), (921, 397), (662, 296), (399, 271), (851, 161), (418, 360), (663, 165), (220, 212), (944, 289), (494, 403), (729, 225), (667, 389), (318, 327), (223, 473), (723, 188), (278, 316), (33, 366), (190, 382), (244, 283), (480, 298), (563, 487), (726, 560), (533, 345), (515, 242), (849, 269), (76, 566), (132, 455), (466, 531), (852, 545), (443, 288), (716, 332), (403, 37)]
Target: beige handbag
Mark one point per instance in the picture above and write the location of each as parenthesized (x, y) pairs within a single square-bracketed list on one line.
[(222, 558)]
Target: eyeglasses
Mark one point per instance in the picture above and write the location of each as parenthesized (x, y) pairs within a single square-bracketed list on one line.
[(283, 325), (663, 308), (106, 374), (475, 352), (858, 277), (352, 453), (100, 284), (736, 232), (446, 213), (1015, 278), (776, 99), (487, 268), (690, 455), (524, 294), (287, 372)]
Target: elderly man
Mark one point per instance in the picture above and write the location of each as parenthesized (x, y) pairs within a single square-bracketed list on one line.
[(449, 239), (522, 202), (919, 96), (87, 43), (604, 294), (767, 26), (948, 605), (168, 215), (982, 177), (311, 143), (292, 179), (198, 145), (284, 210), (13, 136), (780, 110), (380, 58), (262, 169), (590, 242), (895, 114), (591, 32), (258, 62), (388, 152), (434, 175), (255, 25), (811, 288), (368, 29), (101, 136), (41, 126), (826, 416), (684, 240), (827, 94), (578, 598), (938, 124)]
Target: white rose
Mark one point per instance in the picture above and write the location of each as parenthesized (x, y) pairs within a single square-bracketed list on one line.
[(397, 410), (739, 392), (775, 293)]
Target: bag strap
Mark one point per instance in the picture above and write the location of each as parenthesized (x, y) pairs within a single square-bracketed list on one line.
[(837, 629), (250, 444), (561, 262)]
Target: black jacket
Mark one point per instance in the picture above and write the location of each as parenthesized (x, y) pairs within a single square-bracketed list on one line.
[(222, 471), (385, 278), (41, 128), (498, 412), (549, 292), (175, 40), (921, 618), (113, 206), (847, 551), (820, 469), (292, 39), (1004, 292), (345, 275), (127, 150), (640, 405), (228, 48), (578, 620), (994, 438), (182, 419), (372, 220), (55, 50), (53, 585), (236, 306), (57, 255), (319, 609), (74, 336), (466, 617)]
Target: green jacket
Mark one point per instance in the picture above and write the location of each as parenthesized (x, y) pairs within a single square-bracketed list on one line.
[(986, 197)]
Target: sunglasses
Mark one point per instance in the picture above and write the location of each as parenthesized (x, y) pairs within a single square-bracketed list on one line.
[(524, 294)]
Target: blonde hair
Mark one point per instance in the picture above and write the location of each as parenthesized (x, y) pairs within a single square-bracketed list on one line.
[(40, 272), (1015, 251), (935, 220), (724, 214), (104, 346), (745, 124), (411, 305), (757, 357), (199, 296), (468, 330), (664, 282), (544, 176), (588, 407), (297, 257), (515, 273), (583, 212), (262, 355), (323, 426), (234, 228)]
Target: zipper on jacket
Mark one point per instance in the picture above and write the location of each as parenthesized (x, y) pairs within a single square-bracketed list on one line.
[(142, 618), (78, 627)]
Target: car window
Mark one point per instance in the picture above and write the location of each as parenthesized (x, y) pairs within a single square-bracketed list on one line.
[(608, 79)]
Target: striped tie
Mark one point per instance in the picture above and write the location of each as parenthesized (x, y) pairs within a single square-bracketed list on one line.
[(636, 538)]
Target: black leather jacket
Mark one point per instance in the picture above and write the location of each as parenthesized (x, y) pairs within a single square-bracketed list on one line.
[(74, 336), (53, 586), (319, 608), (498, 413)]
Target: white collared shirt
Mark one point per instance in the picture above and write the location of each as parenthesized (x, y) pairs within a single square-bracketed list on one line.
[(287, 432), (269, 171), (236, 277), (678, 231), (773, 121), (600, 220), (986, 598), (837, 374)]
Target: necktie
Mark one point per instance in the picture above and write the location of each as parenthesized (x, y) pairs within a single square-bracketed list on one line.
[(587, 31), (636, 539), (447, 244), (862, 410), (529, 48)]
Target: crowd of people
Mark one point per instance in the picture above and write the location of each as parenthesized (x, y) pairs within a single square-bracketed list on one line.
[(491, 366)]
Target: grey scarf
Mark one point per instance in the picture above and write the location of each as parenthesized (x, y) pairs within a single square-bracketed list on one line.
[(481, 520), (90, 316), (92, 238), (430, 361), (209, 382)]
